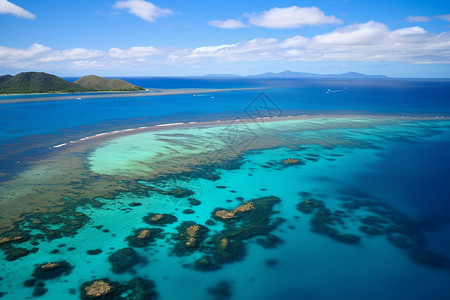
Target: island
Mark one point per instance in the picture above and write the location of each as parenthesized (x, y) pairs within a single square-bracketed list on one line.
[(44, 83)]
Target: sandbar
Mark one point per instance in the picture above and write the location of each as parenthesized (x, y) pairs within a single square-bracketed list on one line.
[(147, 93)]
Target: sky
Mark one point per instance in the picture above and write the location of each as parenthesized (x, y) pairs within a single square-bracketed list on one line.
[(179, 37)]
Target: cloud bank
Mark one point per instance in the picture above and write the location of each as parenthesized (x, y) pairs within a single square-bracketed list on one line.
[(362, 42)]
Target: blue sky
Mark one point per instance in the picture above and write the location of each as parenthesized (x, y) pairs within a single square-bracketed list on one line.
[(170, 38)]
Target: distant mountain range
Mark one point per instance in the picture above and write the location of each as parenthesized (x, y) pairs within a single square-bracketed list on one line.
[(39, 82), (290, 74)]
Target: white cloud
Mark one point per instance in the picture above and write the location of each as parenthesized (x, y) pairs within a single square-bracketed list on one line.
[(143, 9), (356, 34), (367, 42), (292, 17), (133, 52), (7, 7), (70, 54), (414, 19), (443, 17), (14, 54), (227, 24)]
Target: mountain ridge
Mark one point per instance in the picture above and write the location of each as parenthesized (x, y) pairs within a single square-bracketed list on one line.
[(37, 82), (292, 74), (44, 83)]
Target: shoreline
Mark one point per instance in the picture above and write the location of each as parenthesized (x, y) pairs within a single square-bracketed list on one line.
[(147, 93)]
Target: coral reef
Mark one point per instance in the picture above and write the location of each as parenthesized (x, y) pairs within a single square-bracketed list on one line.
[(428, 258), (136, 289), (100, 289), (271, 262), (249, 220), (13, 253), (94, 251), (39, 290), (189, 238), (124, 260), (222, 214), (194, 202), (177, 193), (206, 263), (52, 270), (271, 241), (292, 162), (221, 291), (159, 219), (142, 237)]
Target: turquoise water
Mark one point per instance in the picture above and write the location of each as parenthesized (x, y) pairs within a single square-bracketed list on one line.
[(360, 211), (398, 166)]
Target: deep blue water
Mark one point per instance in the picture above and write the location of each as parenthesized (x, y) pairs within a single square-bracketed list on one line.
[(383, 96)]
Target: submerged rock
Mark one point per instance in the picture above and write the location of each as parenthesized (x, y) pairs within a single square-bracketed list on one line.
[(270, 242), (292, 162), (124, 260), (428, 258), (6, 240), (13, 253), (142, 237), (370, 230), (99, 289), (194, 202), (206, 263), (309, 206), (52, 270), (271, 262), (159, 219), (226, 214), (322, 223), (142, 289), (177, 193), (190, 236), (136, 289), (94, 251), (221, 291), (39, 291)]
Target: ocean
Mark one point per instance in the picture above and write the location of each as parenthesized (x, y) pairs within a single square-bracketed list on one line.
[(290, 189)]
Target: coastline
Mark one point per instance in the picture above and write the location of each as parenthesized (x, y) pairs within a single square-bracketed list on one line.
[(98, 95)]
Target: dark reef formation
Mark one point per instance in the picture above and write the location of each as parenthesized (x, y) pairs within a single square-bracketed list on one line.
[(159, 219), (142, 237), (104, 289), (124, 260), (245, 222), (177, 193), (400, 230), (324, 220), (221, 291), (52, 270), (189, 238)]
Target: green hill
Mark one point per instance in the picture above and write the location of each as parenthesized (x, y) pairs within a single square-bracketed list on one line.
[(4, 78), (38, 82), (95, 83)]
